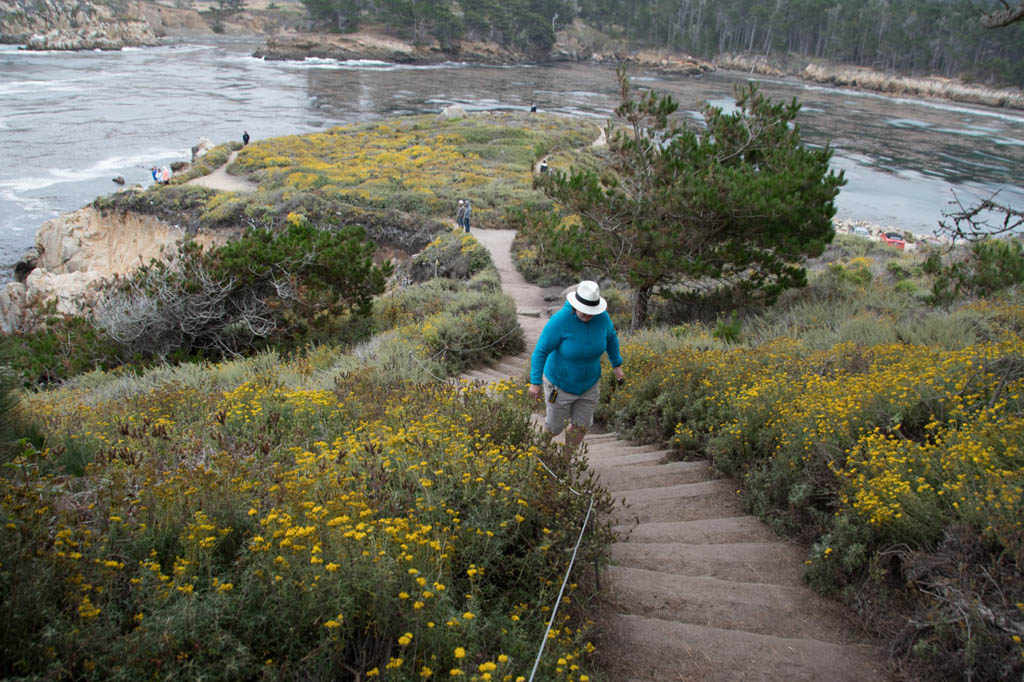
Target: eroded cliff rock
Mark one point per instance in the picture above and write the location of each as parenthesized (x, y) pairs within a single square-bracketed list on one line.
[(84, 25), (78, 251)]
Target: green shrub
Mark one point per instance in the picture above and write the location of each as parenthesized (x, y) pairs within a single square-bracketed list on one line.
[(453, 254), (286, 288), (64, 347), (729, 330), (175, 204), (989, 267), (15, 425)]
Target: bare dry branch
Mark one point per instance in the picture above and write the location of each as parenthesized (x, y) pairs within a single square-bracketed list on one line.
[(1003, 17), (983, 220)]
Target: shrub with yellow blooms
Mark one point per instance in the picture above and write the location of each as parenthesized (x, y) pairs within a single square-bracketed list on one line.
[(898, 462)]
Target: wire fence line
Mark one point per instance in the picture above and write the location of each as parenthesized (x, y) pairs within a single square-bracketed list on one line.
[(561, 591)]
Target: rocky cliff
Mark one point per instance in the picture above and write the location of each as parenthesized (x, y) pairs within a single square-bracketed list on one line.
[(76, 252), (375, 44), (84, 25)]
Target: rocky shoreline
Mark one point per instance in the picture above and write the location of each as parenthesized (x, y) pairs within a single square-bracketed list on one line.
[(861, 78), (83, 25)]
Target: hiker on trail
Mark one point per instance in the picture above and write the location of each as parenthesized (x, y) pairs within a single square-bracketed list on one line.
[(533, 108), (566, 364), (544, 165), (461, 213), (245, 137), (465, 216)]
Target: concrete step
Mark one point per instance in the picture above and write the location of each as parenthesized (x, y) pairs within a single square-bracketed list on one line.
[(772, 563), (651, 648), (648, 475), (610, 447), (723, 530), (779, 610), (601, 463)]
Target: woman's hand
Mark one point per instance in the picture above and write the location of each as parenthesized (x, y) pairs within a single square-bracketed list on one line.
[(534, 391), (620, 376)]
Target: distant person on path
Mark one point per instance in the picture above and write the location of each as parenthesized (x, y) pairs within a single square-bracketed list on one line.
[(533, 108), (245, 137), (155, 172), (467, 210), (566, 364), (544, 165), (460, 213)]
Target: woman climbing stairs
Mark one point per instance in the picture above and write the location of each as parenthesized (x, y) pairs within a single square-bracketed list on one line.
[(696, 589)]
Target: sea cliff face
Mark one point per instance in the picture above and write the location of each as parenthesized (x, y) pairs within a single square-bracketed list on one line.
[(370, 44), (77, 252), (83, 25)]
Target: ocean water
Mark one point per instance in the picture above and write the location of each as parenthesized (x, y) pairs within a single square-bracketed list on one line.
[(70, 122)]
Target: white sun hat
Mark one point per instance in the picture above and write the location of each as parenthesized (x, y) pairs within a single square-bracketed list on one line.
[(586, 298)]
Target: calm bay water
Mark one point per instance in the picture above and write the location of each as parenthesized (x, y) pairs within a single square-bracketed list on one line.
[(70, 122)]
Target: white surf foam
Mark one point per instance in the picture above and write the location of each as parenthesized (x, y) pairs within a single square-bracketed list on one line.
[(98, 170)]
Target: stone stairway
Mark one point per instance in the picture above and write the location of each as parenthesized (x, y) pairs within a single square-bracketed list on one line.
[(696, 589)]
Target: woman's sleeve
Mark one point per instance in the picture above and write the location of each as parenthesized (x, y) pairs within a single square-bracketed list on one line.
[(612, 345), (545, 344)]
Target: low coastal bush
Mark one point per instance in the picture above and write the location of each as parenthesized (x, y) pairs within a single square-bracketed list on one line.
[(286, 288), (986, 268), (174, 204), (456, 328), (65, 347), (453, 254), (263, 531), (900, 463)]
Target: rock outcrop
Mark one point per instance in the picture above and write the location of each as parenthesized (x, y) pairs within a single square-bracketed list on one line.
[(451, 112), (84, 25), (374, 45), (946, 88), (75, 253), (670, 62), (343, 47)]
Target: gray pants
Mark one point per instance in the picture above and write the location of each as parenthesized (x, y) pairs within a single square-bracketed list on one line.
[(569, 407)]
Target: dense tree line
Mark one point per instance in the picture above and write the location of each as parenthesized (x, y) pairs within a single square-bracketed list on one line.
[(946, 37), (926, 36), (526, 25)]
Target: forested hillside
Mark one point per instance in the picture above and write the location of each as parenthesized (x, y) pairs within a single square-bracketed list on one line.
[(944, 37)]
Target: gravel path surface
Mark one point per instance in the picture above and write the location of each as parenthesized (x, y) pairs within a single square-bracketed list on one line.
[(219, 179)]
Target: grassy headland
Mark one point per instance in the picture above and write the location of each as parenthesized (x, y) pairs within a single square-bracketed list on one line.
[(336, 508)]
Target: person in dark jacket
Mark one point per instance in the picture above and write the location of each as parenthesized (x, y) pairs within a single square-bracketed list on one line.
[(465, 216), (245, 137)]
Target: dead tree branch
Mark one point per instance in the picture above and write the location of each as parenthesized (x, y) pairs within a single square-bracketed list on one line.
[(1003, 17), (983, 220)]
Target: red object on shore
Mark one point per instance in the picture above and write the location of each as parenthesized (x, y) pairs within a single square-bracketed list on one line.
[(894, 239)]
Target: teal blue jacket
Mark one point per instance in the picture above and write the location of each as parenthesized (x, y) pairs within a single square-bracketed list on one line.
[(569, 351)]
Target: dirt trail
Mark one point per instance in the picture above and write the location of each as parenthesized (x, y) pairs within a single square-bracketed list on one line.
[(696, 590), (219, 179)]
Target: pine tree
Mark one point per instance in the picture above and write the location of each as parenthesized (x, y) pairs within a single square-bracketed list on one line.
[(738, 203)]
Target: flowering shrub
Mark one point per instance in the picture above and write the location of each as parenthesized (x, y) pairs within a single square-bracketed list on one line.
[(377, 530), (417, 164), (862, 449)]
